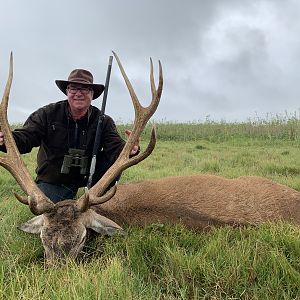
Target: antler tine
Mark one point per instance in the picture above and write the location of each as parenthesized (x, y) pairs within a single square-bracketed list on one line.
[(5, 98), (12, 160), (153, 88), (156, 93), (142, 116), (134, 98)]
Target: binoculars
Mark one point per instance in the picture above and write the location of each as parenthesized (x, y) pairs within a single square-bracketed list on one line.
[(75, 158)]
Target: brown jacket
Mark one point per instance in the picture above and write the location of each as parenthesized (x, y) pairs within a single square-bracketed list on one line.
[(52, 129)]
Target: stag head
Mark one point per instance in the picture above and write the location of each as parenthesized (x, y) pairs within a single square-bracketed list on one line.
[(63, 226)]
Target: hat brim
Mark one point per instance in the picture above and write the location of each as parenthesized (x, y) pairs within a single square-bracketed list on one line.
[(97, 88)]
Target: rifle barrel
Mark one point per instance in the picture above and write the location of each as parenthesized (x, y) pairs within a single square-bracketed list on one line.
[(99, 125), (106, 84)]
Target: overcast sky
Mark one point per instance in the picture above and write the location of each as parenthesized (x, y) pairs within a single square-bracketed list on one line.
[(227, 59)]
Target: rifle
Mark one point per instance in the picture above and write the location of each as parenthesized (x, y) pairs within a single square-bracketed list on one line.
[(99, 125)]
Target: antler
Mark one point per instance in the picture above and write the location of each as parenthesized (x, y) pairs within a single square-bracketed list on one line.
[(13, 162), (124, 161)]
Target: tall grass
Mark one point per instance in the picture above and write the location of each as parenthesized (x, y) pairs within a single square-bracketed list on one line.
[(171, 262), (285, 127)]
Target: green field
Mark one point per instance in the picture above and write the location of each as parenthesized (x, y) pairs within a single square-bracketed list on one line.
[(171, 262)]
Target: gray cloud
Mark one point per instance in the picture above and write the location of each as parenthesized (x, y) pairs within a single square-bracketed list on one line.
[(227, 59)]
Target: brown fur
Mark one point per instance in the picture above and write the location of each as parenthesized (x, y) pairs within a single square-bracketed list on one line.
[(202, 200), (198, 201)]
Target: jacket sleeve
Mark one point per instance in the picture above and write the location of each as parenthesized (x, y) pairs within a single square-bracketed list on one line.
[(112, 142), (32, 132)]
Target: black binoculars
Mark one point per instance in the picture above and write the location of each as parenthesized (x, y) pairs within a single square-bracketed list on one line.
[(75, 158)]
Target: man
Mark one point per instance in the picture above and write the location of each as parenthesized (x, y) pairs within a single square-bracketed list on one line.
[(65, 132)]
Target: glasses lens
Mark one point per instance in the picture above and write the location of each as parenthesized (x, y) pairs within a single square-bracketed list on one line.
[(83, 90)]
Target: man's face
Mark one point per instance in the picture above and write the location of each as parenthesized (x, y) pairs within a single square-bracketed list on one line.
[(79, 97)]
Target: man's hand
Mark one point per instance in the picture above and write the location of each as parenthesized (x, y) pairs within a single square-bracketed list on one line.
[(136, 147), (1, 138)]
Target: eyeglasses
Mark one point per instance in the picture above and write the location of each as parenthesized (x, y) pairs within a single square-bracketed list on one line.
[(83, 90)]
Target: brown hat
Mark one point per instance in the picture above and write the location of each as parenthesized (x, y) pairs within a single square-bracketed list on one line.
[(83, 77)]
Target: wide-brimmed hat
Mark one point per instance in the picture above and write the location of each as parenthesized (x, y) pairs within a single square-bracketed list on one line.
[(83, 77)]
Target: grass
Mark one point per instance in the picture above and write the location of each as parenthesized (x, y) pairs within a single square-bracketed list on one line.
[(171, 262), (273, 127)]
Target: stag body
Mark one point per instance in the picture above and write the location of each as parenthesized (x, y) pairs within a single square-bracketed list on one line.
[(202, 200), (197, 201)]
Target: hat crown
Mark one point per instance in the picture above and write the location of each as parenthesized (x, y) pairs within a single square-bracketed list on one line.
[(81, 76)]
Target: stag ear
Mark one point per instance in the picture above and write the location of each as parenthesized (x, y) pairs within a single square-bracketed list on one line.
[(34, 225), (101, 224)]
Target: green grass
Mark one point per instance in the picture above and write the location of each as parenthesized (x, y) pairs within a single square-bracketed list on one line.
[(171, 262), (283, 127)]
